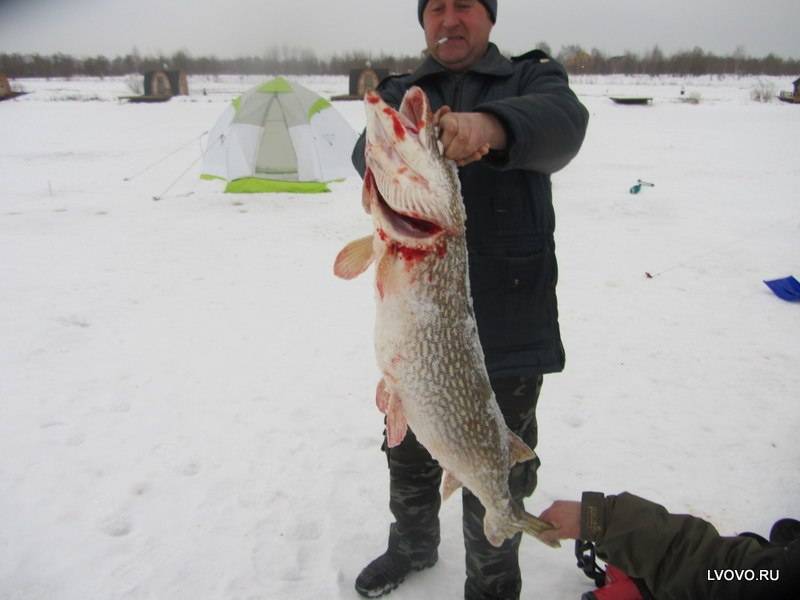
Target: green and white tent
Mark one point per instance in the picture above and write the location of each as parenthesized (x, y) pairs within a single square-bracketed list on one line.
[(279, 137)]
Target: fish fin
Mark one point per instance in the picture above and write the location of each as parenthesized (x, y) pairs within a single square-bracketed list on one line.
[(354, 258), (382, 396), (534, 526), (396, 424), (368, 191), (496, 529), (519, 451), (388, 279), (416, 108), (450, 485)]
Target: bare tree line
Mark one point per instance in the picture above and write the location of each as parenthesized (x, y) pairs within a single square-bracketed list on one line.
[(303, 61)]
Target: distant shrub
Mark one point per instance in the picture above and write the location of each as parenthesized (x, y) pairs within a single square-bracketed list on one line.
[(75, 97), (692, 98), (763, 92), (135, 84)]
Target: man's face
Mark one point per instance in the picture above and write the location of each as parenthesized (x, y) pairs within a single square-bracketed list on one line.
[(465, 24)]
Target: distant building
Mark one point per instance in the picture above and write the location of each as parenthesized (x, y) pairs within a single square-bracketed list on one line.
[(365, 80), (5, 87), (793, 97), (165, 84), (618, 63), (6, 93)]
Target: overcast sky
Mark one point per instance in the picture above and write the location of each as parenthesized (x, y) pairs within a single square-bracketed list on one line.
[(230, 28)]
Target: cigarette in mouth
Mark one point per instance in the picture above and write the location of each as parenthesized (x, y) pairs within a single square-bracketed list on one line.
[(441, 41)]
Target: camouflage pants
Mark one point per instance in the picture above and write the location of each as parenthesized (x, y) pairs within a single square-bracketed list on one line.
[(415, 477)]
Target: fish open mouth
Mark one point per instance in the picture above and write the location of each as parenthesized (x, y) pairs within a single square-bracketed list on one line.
[(402, 225), (407, 187)]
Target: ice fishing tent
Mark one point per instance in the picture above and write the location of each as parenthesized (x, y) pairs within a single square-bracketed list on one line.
[(5, 87), (165, 83), (279, 137), (6, 92)]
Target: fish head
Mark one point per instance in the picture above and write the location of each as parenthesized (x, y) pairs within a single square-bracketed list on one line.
[(410, 190)]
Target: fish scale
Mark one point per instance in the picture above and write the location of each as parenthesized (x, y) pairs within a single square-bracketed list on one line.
[(426, 338)]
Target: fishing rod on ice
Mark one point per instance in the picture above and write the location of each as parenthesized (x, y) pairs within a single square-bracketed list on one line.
[(695, 259)]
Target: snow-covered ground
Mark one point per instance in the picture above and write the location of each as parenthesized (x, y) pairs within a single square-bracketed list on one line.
[(186, 391)]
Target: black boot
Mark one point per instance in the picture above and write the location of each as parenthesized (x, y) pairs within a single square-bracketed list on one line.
[(414, 479), (494, 573), (388, 571)]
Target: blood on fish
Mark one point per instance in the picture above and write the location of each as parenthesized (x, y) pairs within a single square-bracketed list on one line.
[(399, 129), (409, 254), (373, 98), (416, 104)]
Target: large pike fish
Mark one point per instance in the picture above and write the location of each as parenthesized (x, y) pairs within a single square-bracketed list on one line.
[(426, 338)]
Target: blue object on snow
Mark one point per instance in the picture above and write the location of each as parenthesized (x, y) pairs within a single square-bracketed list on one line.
[(787, 288), (638, 186)]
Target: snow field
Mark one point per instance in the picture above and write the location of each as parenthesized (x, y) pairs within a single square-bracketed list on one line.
[(186, 391)]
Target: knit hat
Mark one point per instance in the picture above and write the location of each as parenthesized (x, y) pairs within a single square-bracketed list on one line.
[(491, 6)]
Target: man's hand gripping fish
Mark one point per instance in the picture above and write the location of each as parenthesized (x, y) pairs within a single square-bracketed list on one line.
[(426, 337)]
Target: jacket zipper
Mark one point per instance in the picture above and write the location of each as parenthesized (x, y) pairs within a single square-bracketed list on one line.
[(457, 100)]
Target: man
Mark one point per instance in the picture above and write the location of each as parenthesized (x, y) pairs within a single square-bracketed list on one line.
[(508, 124), (681, 556)]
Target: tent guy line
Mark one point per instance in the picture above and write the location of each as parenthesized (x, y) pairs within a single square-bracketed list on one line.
[(165, 157), (176, 180)]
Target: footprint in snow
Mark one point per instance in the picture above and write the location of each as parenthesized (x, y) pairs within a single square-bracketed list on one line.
[(574, 422), (74, 321), (140, 489), (119, 406), (306, 531), (189, 469), (116, 525), (62, 433)]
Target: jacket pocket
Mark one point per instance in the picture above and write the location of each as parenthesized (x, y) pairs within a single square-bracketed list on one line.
[(514, 300)]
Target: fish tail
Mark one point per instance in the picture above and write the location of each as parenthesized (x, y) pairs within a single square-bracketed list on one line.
[(534, 526)]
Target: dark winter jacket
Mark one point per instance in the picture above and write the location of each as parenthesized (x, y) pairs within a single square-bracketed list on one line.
[(681, 557), (510, 217)]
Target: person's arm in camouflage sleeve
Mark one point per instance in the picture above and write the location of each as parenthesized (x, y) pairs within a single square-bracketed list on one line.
[(681, 556)]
